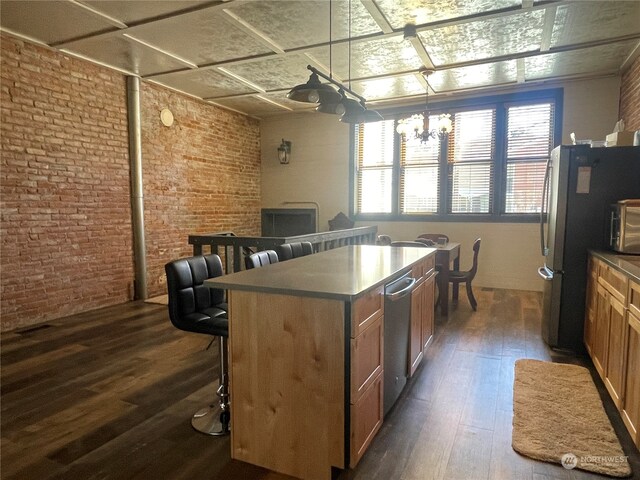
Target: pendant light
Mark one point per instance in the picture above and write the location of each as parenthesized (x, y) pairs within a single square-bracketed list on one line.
[(331, 105), (356, 112), (337, 103), (313, 91)]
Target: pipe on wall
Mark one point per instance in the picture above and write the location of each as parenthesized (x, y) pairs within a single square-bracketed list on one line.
[(137, 192)]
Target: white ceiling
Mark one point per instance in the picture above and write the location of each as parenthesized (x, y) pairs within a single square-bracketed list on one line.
[(247, 54)]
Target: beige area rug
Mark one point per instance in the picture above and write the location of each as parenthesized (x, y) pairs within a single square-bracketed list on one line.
[(161, 300), (558, 417)]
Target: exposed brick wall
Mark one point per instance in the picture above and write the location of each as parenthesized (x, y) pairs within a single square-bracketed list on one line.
[(65, 223), (201, 175), (630, 96), (66, 236)]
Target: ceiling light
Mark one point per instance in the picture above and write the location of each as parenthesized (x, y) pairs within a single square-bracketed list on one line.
[(335, 108), (419, 123), (313, 91), (337, 103)]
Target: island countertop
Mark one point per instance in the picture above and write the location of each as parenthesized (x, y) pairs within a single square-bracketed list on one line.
[(342, 273)]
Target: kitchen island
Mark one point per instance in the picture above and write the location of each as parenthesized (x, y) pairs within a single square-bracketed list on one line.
[(306, 354)]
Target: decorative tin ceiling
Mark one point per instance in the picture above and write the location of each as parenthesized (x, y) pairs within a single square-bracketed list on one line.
[(247, 54)]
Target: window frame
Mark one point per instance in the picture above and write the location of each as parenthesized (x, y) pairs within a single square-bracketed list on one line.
[(500, 103)]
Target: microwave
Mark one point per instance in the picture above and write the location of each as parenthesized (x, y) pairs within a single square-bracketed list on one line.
[(624, 226)]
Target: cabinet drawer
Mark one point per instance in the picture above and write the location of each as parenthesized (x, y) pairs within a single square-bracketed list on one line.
[(366, 309), (366, 358), (615, 282), (366, 420), (634, 298)]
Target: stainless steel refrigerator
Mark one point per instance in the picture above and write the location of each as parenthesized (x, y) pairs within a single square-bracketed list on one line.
[(580, 185)]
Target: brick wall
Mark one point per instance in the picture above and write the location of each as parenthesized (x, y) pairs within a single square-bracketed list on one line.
[(66, 238), (201, 175), (65, 223), (630, 96)]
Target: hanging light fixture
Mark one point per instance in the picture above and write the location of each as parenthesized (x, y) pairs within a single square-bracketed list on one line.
[(418, 124), (357, 112), (337, 103), (313, 91)]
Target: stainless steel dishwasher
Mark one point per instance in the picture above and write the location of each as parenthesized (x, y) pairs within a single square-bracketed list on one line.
[(397, 321)]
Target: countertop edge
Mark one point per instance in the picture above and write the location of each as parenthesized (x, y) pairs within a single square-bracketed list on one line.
[(620, 262)]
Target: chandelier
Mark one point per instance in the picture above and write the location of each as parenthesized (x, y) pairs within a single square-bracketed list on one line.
[(417, 125)]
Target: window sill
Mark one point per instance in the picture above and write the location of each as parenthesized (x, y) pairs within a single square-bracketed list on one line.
[(457, 218)]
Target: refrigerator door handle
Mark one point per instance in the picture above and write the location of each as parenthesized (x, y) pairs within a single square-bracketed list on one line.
[(545, 273), (545, 192)]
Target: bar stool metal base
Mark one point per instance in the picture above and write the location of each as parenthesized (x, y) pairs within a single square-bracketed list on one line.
[(215, 419), (208, 421)]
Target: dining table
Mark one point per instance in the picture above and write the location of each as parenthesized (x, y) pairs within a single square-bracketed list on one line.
[(446, 254)]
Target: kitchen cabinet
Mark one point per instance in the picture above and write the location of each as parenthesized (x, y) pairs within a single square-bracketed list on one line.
[(631, 404), (417, 313), (428, 318), (591, 306), (367, 360), (612, 332), (615, 363), (422, 312)]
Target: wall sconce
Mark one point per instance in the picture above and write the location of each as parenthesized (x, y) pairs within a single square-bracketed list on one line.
[(284, 152)]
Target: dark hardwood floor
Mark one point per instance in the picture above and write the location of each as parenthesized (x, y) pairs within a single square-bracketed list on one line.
[(109, 395)]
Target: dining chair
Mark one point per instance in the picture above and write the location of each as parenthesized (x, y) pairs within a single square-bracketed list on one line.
[(434, 237), (407, 243), (458, 277), (426, 241)]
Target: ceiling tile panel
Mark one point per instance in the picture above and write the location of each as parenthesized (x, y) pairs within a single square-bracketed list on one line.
[(392, 87), (484, 38), (50, 21), (125, 54), (474, 76), (303, 23), (131, 12), (203, 37), (603, 59), (204, 83), (279, 71), (254, 106), (417, 12), (374, 57), (589, 21)]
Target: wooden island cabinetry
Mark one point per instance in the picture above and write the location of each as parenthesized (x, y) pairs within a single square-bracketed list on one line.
[(612, 331), (306, 355), (422, 311)]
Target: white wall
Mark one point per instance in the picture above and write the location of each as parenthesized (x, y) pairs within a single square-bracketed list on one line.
[(319, 172)]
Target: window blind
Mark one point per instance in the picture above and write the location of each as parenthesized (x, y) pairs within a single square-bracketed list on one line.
[(529, 143), (374, 154), (420, 174), (471, 152)]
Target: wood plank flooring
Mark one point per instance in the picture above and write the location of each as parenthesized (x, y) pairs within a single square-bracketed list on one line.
[(109, 395)]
